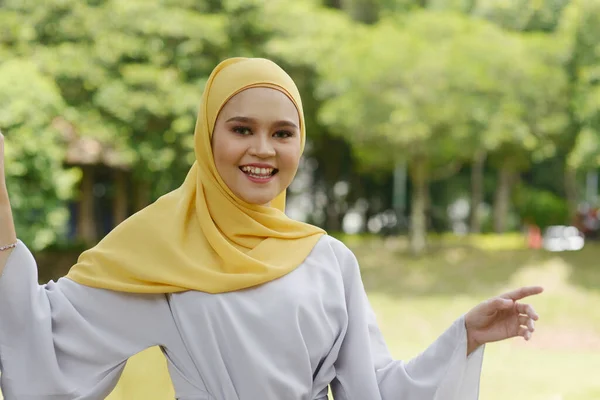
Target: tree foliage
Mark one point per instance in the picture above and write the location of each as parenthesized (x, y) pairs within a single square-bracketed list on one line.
[(38, 184), (500, 87)]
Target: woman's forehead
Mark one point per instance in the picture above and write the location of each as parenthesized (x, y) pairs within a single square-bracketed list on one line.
[(260, 102)]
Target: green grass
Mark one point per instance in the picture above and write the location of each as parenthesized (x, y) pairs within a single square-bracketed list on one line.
[(416, 298)]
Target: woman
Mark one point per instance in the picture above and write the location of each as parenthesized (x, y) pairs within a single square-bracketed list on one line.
[(244, 302)]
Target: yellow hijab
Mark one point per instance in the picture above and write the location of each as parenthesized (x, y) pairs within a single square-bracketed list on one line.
[(201, 236)]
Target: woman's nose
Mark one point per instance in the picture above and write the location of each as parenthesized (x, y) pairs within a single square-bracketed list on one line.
[(262, 147)]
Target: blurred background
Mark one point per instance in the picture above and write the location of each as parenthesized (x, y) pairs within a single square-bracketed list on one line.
[(454, 145)]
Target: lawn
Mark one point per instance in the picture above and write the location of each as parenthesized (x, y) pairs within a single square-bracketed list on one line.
[(416, 298)]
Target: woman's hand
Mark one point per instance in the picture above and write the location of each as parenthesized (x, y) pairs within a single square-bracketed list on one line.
[(501, 318)]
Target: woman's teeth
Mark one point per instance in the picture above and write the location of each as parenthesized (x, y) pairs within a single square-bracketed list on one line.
[(259, 172)]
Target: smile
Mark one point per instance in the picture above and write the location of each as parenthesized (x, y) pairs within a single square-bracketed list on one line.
[(258, 174)]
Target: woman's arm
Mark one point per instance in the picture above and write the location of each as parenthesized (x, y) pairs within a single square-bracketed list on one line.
[(67, 341), (71, 341), (7, 227), (449, 369), (366, 369)]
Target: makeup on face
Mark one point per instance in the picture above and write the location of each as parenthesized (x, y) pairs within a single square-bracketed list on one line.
[(256, 144)]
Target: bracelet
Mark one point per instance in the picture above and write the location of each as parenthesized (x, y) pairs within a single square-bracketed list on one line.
[(9, 246)]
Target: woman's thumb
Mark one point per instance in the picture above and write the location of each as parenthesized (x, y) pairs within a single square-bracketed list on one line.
[(505, 303)]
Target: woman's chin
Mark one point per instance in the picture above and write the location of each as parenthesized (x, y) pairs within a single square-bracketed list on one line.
[(258, 200)]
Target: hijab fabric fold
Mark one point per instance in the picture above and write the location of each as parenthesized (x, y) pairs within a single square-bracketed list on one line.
[(200, 236)]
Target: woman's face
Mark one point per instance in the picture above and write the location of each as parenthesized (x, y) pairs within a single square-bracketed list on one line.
[(256, 144)]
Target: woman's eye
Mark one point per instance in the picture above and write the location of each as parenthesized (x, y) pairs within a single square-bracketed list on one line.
[(242, 130), (283, 134)]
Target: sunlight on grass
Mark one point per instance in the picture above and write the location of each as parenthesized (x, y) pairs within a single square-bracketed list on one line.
[(417, 298), (491, 242), (149, 366)]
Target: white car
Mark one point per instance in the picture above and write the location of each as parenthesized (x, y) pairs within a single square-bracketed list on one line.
[(563, 238)]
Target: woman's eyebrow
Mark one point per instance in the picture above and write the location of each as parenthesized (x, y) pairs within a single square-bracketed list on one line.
[(249, 120), (283, 123)]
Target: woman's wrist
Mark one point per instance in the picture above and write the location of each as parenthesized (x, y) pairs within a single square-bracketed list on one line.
[(472, 344)]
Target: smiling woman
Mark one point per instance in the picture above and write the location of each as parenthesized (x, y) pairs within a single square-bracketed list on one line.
[(243, 302), (256, 144)]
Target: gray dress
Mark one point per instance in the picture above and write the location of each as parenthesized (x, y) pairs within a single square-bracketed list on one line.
[(287, 339)]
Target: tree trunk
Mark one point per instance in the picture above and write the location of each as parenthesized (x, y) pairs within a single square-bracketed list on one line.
[(506, 177), (142, 195), (332, 215), (571, 190), (86, 224), (399, 194), (334, 160), (120, 208), (477, 175), (418, 219)]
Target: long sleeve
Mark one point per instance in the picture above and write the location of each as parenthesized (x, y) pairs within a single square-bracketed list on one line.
[(366, 370), (65, 341)]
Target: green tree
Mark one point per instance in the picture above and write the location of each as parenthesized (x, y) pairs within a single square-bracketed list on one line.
[(528, 118), (578, 33), (37, 182), (521, 15), (411, 94), (571, 29)]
